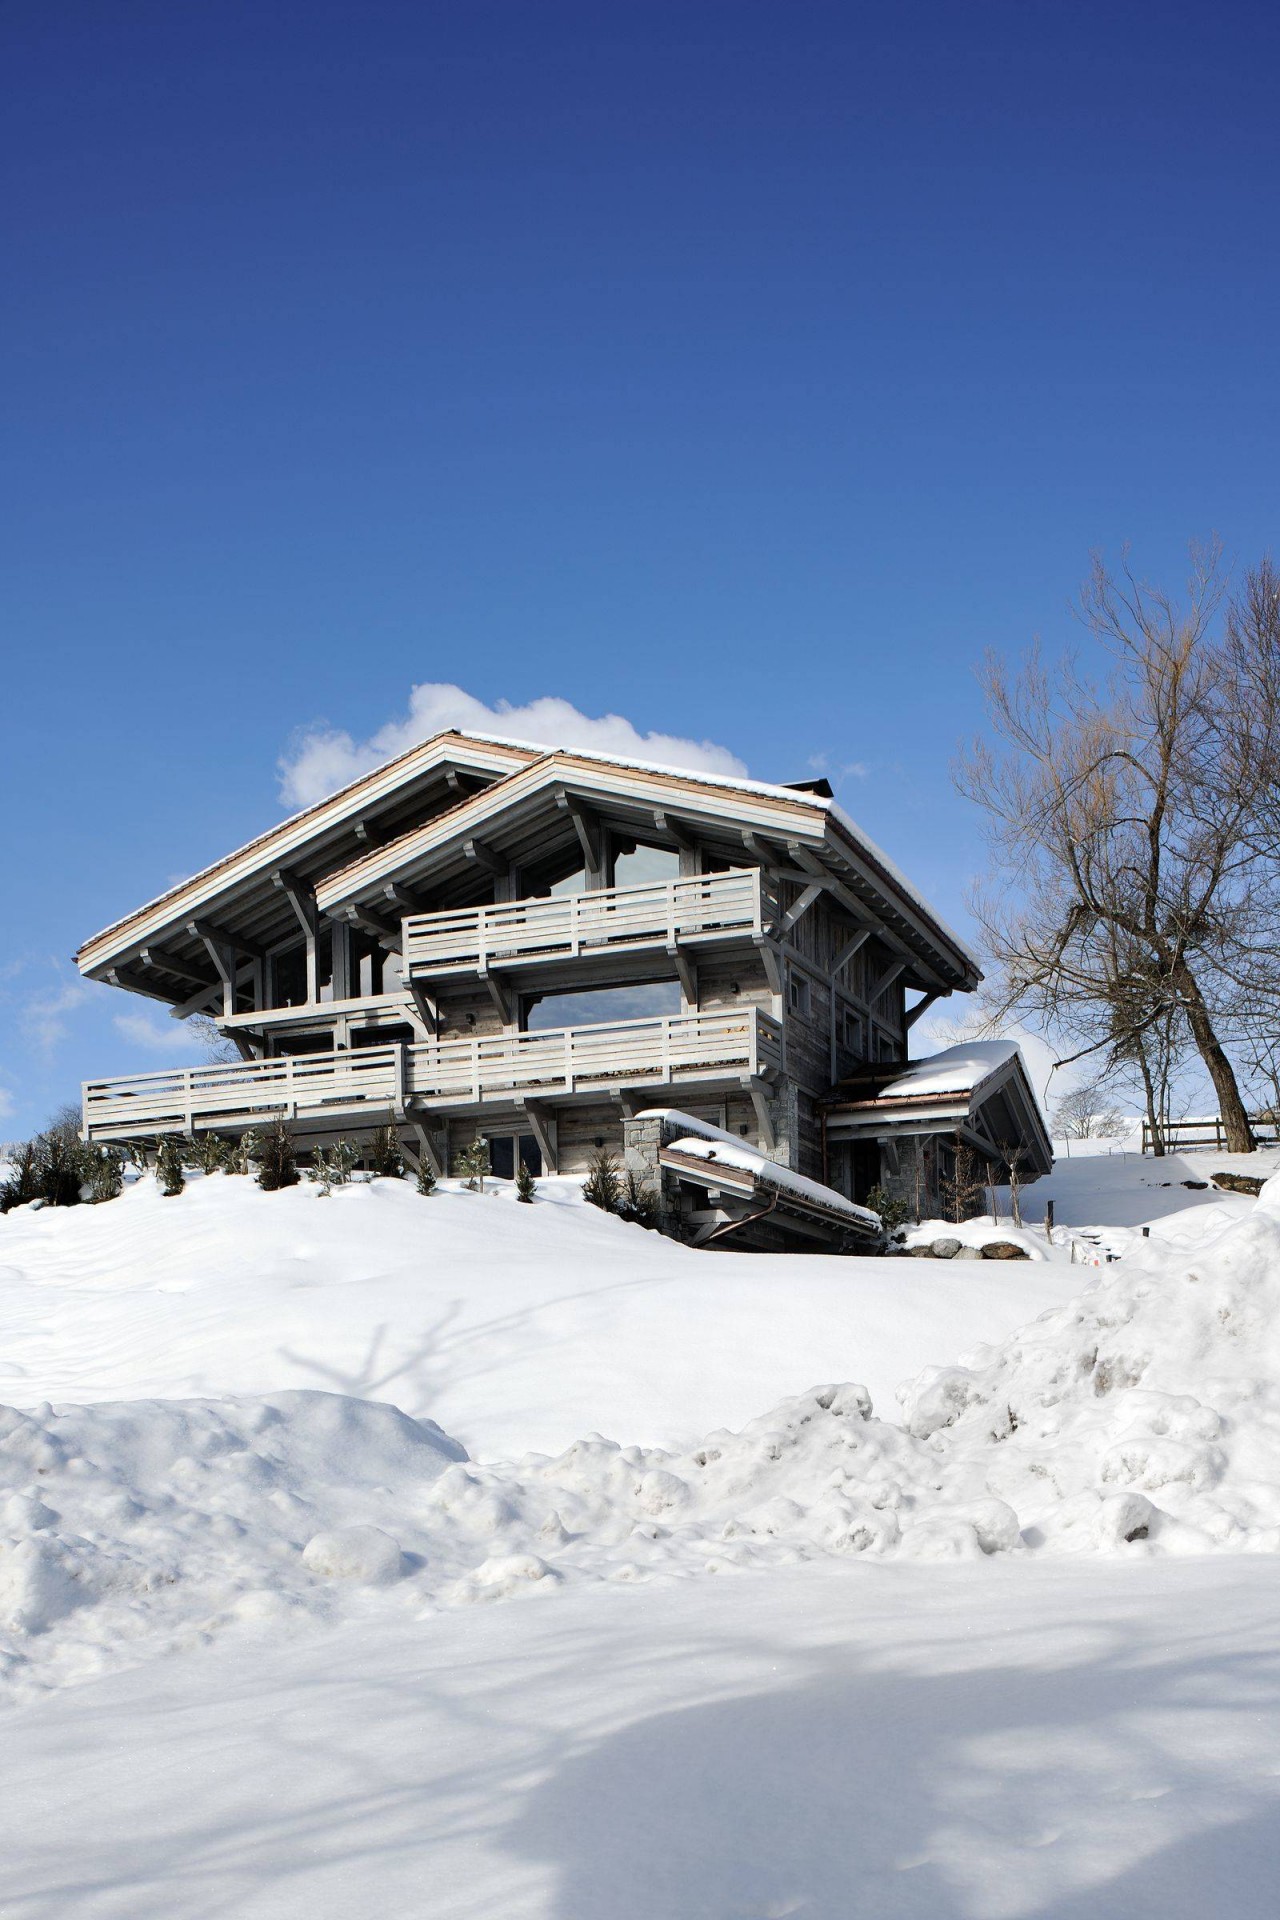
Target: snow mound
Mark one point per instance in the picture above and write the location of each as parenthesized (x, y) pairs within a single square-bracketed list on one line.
[(172, 1519)]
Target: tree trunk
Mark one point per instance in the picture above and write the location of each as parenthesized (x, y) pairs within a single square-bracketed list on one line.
[(1153, 1111), (1231, 1107)]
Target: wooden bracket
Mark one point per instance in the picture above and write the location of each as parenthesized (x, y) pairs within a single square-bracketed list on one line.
[(764, 1115), (542, 1125)]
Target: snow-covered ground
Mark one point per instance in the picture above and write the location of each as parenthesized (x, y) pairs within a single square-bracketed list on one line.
[(515, 1327), (278, 1644)]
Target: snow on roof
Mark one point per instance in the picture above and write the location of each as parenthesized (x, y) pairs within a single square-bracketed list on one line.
[(956, 1069), (701, 1141)]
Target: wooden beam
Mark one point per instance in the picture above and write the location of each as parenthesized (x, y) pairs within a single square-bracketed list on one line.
[(764, 1117), (401, 897), (119, 977), (428, 1149), (923, 1006), (687, 972), (676, 830), (588, 829), (770, 961), (814, 891), (484, 855), (389, 937), (301, 898), (542, 1125), (222, 936), (885, 981), (850, 947), (428, 1011), (156, 959), (500, 998), (368, 834)]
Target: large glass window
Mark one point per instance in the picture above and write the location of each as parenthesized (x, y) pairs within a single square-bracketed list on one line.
[(646, 864), (598, 1007)]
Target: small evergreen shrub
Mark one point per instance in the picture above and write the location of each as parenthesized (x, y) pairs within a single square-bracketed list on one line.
[(321, 1172), (386, 1161), (22, 1184), (893, 1212), (105, 1173), (526, 1187), (342, 1162), (602, 1187), (277, 1160), (637, 1202), (170, 1171), (426, 1177), (473, 1163), (208, 1152), (242, 1154)]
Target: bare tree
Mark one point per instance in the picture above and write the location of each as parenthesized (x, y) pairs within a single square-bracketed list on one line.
[(1127, 812)]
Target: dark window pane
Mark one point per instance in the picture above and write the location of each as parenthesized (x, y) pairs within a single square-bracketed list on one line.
[(605, 1004)]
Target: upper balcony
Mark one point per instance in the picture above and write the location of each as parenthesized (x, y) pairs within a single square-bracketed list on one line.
[(662, 916)]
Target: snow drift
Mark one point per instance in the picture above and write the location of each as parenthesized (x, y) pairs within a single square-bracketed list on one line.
[(1142, 1418)]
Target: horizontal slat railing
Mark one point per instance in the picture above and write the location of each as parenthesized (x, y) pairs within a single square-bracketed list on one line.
[(664, 912), (679, 1047)]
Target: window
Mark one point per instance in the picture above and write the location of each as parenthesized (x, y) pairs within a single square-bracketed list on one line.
[(852, 1035), (503, 1148), (799, 995), (598, 1007)]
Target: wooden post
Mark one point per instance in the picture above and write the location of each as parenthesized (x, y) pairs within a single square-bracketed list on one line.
[(1048, 1219)]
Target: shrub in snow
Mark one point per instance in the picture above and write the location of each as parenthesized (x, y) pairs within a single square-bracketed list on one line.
[(23, 1184), (277, 1160), (245, 1151), (637, 1202), (208, 1152), (104, 1173), (602, 1187), (473, 1163), (426, 1177), (385, 1158), (894, 1212), (170, 1171), (364, 1554), (525, 1185)]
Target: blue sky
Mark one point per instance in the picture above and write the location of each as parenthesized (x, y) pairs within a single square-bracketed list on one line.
[(743, 370)]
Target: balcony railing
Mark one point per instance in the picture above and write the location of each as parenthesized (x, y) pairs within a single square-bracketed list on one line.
[(705, 908), (682, 1049)]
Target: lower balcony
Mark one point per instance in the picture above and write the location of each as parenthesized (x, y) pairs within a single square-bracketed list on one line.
[(326, 1091)]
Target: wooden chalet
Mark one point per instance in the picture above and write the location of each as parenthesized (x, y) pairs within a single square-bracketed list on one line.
[(483, 935)]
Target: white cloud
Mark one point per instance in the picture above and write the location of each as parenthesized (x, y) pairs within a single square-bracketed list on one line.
[(43, 1018), (323, 758), (838, 771), (6, 1103), (156, 1035)]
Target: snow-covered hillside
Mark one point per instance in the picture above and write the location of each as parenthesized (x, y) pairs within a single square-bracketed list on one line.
[(322, 1653), (515, 1327)]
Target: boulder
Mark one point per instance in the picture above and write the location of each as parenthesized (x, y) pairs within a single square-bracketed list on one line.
[(1004, 1250), (968, 1253), (945, 1249), (1238, 1183)]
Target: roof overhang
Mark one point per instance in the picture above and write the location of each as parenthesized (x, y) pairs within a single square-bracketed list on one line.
[(999, 1111), (793, 832), (241, 889)]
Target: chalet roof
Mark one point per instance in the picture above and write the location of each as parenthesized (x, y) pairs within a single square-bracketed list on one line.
[(364, 840), (365, 798), (775, 812)]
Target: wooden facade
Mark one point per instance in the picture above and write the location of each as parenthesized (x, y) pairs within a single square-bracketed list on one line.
[(538, 945)]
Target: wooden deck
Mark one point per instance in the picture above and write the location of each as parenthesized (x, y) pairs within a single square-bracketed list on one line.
[(323, 1088), (663, 915)]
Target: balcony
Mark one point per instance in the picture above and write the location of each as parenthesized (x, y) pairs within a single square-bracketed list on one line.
[(659, 917), (368, 1084)]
